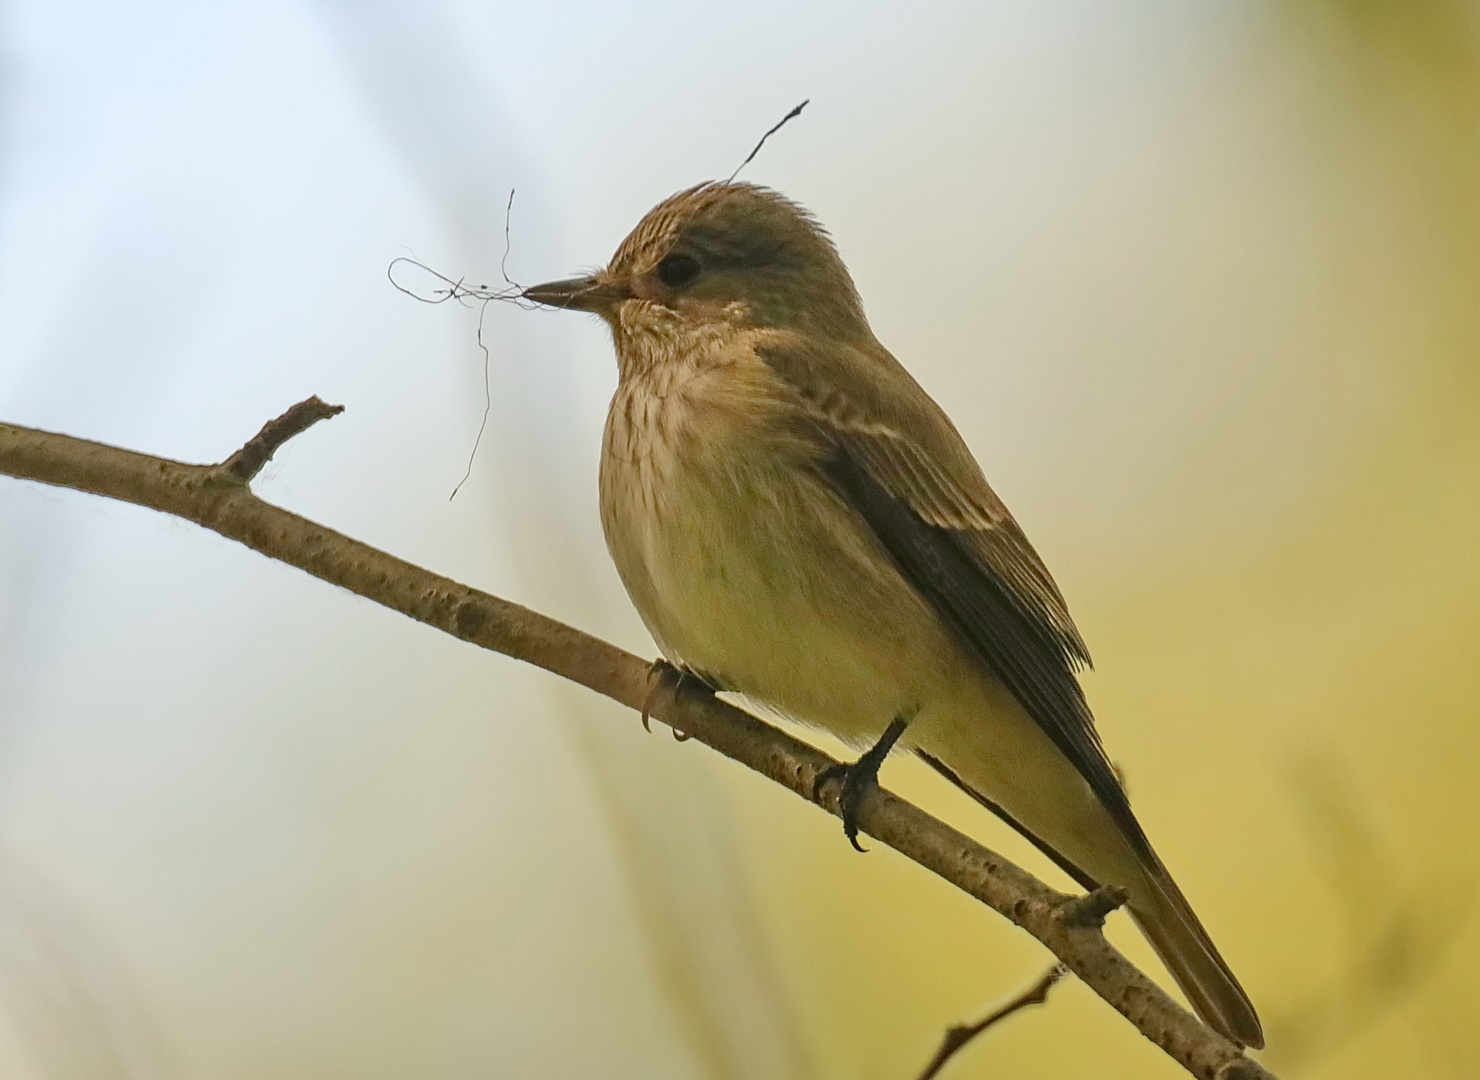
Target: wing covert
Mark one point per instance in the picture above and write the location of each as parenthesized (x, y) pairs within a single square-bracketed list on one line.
[(895, 459)]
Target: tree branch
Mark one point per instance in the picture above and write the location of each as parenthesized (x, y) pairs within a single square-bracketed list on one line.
[(959, 1035), (247, 462), (217, 497)]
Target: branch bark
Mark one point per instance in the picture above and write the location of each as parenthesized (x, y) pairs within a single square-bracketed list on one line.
[(217, 497)]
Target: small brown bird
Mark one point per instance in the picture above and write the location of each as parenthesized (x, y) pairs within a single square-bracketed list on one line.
[(797, 521)]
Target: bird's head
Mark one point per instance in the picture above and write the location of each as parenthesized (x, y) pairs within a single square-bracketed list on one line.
[(719, 254)]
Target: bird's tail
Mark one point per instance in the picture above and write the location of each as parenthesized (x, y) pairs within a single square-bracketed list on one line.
[(1160, 910), (1165, 917)]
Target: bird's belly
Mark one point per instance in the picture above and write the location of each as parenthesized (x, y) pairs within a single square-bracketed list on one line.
[(771, 588), (749, 570), (758, 578)]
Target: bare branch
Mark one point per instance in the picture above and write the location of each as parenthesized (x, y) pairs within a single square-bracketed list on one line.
[(247, 462), (958, 1036), (217, 497), (1093, 908)]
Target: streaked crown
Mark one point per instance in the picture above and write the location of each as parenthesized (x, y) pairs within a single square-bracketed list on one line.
[(719, 244)]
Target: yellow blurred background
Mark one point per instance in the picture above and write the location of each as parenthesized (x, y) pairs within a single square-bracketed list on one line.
[(1201, 287)]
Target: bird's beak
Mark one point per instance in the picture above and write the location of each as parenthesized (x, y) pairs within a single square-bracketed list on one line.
[(579, 294)]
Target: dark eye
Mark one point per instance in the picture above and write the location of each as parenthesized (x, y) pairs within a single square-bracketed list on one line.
[(676, 271)]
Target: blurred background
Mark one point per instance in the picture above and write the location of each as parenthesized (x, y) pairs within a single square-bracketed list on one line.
[(1200, 284)]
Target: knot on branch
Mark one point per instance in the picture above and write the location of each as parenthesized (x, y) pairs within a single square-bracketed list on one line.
[(471, 615), (1091, 908)]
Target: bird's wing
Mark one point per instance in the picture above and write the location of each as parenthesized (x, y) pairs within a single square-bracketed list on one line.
[(895, 458)]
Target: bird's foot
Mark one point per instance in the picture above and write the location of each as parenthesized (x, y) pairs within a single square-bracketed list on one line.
[(859, 779), (663, 676)]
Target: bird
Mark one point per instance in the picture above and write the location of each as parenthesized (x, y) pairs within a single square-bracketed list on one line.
[(798, 522)]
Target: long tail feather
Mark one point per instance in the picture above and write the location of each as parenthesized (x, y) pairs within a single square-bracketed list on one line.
[(1167, 920), (1189, 954)]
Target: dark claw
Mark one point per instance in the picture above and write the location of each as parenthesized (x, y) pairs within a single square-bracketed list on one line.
[(858, 779), (663, 675)]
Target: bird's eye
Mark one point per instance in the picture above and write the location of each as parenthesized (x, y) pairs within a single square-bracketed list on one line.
[(676, 271)]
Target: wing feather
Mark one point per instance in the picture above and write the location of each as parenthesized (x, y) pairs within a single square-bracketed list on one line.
[(895, 458)]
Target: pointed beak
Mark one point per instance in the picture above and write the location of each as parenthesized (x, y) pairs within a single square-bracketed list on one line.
[(579, 294)]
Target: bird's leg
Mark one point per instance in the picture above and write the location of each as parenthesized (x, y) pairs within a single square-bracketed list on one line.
[(858, 778), (664, 676)]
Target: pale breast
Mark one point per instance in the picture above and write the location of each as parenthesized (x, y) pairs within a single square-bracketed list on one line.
[(744, 565)]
